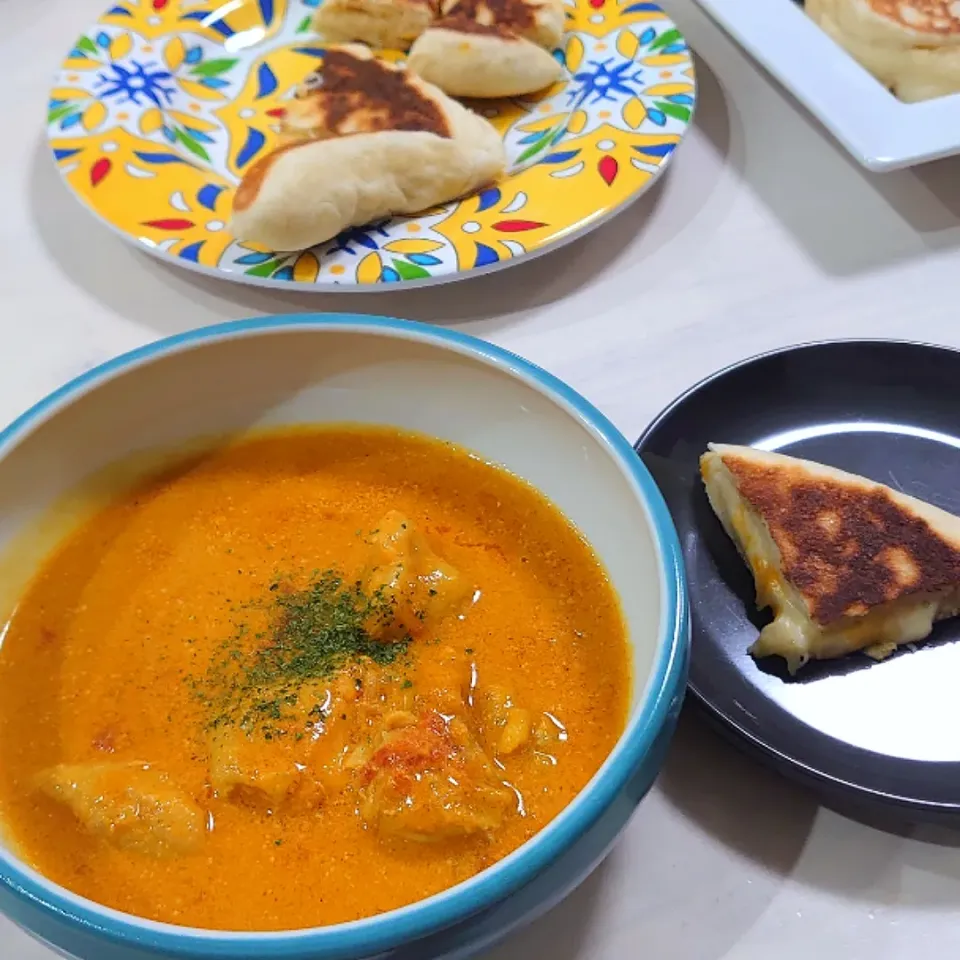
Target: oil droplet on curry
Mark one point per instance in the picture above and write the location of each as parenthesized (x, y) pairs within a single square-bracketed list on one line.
[(305, 678)]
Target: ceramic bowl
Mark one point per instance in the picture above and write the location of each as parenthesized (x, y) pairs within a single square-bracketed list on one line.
[(313, 369)]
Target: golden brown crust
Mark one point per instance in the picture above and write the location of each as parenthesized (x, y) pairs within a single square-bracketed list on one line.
[(458, 23), (249, 186), (514, 15), (846, 549), (924, 16), (356, 94)]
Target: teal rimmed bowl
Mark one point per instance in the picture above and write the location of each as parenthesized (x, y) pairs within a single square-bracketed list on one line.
[(311, 369)]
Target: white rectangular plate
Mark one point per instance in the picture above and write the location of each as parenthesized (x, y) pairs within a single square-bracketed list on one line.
[(879, 130)]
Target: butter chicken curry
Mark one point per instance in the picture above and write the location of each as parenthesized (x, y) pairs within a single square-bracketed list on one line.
[(305, 678)]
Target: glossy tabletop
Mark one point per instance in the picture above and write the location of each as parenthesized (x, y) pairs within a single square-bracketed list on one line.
[(762, 234)]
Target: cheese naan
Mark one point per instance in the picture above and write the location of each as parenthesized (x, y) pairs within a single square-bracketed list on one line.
[(377, 141), (845, 563)]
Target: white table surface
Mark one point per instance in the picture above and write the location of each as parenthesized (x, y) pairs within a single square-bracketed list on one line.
[(762, 234)]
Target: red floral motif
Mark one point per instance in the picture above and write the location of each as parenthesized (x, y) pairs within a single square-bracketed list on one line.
[(171, 224), (160, 4), (516, 226), (99, 170), (596, 4), (277, 112), (608, 169)]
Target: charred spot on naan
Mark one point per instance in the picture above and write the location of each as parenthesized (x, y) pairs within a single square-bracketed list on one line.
[(510, 14), (845, 549), (938, 17), (540, 21), (459, 23), (249, 187), (355, 93)]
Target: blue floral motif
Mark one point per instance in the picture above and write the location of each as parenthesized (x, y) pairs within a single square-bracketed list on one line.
[(604, 82), (143, 80)]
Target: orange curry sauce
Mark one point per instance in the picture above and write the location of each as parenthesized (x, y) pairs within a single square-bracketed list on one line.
[(380, 784)]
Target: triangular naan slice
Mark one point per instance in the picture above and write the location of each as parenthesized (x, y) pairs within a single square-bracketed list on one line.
[(845, 563), (375, 141)]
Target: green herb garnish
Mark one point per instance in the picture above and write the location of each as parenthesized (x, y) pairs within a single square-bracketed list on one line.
[(314, 632)]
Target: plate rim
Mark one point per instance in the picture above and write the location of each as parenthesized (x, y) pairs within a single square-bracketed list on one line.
[(790, 766), (777, 351), (562, 238), (244, 279)]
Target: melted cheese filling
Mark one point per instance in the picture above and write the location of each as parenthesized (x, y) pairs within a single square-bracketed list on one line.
[(793, 635)]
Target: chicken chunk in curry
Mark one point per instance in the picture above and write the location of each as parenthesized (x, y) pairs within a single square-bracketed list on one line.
[(429, 781), (129, 805), (420, 585)]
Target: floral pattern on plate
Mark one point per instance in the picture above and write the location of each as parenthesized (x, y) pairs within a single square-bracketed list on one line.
[(162, 105)]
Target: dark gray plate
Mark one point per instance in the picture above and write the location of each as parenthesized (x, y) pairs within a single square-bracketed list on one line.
[(885, 732)]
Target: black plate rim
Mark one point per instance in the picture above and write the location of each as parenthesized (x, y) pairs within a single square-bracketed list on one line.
[(782, 762), (776, 352)]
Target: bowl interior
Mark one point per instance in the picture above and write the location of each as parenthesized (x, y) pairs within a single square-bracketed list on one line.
[(258, 377), (302, 376)]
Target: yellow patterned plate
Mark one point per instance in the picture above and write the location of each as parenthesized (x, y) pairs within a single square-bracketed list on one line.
[(162, 104)]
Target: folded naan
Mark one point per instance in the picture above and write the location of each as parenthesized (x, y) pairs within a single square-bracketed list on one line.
[(391, 24), (377, 141), (845, 563), (491, 48)]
